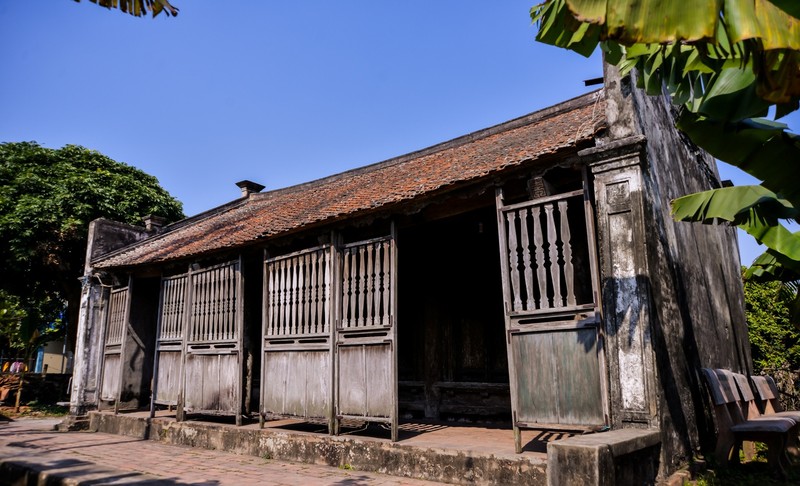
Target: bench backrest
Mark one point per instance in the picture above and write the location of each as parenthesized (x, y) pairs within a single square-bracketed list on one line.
[(768, 392), (725, 395), (749, 405)]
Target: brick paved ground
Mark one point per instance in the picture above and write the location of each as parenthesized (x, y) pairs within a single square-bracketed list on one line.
[(97, 458)]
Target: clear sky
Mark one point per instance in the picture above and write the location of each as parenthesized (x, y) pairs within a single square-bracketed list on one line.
[(275, 92)]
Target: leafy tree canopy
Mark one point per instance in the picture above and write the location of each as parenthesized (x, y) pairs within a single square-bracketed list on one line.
[(47, 199)]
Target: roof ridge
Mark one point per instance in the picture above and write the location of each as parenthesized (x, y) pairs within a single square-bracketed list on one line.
[(520, 121)]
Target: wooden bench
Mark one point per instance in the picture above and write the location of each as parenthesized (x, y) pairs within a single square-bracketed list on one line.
[(737, 422), (767, 391)]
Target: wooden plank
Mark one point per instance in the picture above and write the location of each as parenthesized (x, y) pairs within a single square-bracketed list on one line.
[(379, 380), (578, 377), (540, 201), (168, 377), (535, 380), (109, 389), (352, 381)]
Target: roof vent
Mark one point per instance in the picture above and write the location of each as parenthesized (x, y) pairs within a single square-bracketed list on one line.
[(249, 187), (153, 222)]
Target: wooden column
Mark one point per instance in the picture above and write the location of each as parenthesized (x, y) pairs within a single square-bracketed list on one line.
[(617, 174)]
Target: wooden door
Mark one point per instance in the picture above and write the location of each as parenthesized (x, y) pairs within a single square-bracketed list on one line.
[(169, 340), (113, 348), (297, 369), (366, 333), (552, 321), (213, 363)]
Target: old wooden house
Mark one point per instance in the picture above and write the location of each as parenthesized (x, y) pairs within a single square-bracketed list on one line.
[(528, 273)]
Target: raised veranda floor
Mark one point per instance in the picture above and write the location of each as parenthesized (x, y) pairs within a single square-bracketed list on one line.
[(440, 451)]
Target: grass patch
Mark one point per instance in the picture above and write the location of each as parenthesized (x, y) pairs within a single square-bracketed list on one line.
[(34, 410)]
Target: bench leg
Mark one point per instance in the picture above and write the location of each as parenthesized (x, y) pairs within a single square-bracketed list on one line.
[(725, 442), (749, 450), (776, 455)]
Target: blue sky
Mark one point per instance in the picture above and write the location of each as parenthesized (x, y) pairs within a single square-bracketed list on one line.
[(275, 92)]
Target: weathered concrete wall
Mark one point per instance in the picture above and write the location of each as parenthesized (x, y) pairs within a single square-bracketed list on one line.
[(624, 456), (360, 454), (104, 236), (691, 276)]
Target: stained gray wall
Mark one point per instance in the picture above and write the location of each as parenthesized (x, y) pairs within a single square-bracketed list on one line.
[(104, 236), (685, 276)]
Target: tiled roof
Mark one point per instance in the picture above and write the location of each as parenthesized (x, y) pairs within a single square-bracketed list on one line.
[(381, 185)]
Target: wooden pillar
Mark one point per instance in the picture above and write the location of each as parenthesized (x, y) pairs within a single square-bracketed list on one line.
[(617, 171)]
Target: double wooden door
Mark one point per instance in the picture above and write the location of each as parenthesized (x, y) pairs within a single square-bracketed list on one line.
[(329, 334)]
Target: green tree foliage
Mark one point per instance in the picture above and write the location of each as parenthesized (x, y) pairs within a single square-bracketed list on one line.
[(727, 62), (138, 8), (47, 199), (775, 341)]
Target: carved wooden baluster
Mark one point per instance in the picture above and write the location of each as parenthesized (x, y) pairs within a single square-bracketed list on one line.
[(226, 303), (197, 307), (197, 321), (279, 320), (272, 293), (555, 270), (513, 254), (218, 330), (270, 299), (292, 269), (166, 309), (312, 293), (170, 308), (183, 318), (293, 300), (362, 285), (322, 299), (346, 289), (213, 316), (526, 259), (200, 306), (369, 284), (216, 316), (307, 282), (541, 274), (301, 283), (284, 311), (387, 278), (230, 296), (211, 282), (322, 289)]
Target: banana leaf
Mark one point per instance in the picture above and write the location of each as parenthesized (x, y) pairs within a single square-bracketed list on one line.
[(755, 209), (760, 147), (773, 22), (138, 8)]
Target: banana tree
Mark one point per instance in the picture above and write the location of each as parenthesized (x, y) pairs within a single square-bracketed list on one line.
[(139, 8), (727, 63)]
